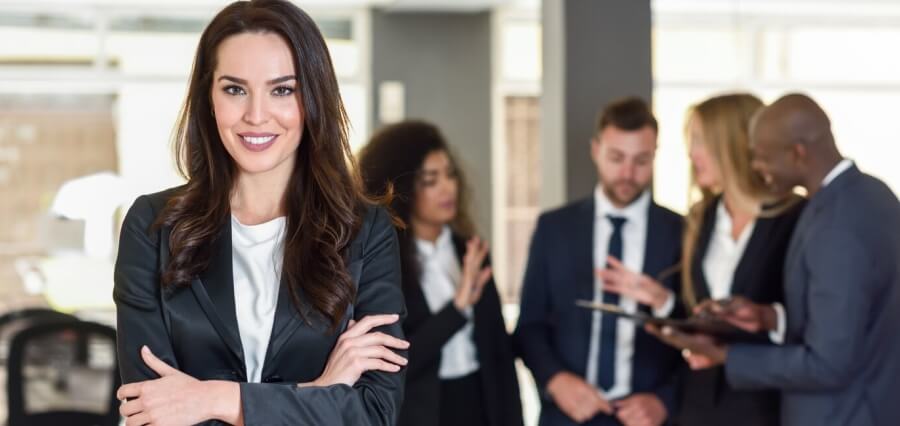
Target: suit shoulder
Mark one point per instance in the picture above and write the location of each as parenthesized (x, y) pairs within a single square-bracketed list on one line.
[(878, 190), (668, 216), (376, 217), (565, 213), (148, 206), (377, 224)]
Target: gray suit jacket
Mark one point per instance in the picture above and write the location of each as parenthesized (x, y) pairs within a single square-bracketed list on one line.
[(840, 364)]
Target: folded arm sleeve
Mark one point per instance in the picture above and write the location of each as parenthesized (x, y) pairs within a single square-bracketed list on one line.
[(137, 295), (376, 397)]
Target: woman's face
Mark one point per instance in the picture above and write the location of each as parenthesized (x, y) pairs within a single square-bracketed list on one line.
[(436, 190), (256, 102), (706, 171)]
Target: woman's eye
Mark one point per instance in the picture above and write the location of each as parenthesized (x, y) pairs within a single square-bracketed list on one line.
[(235, 90), (283, 91)]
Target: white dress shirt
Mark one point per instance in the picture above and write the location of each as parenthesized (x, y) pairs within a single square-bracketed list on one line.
[(724, 253), (257, 252), (634, 239), (441, 273), (777, 335)]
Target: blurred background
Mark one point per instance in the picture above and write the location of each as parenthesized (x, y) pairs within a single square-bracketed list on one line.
[(89, 92)]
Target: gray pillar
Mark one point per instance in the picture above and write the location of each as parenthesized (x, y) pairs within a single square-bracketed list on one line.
[(594, 51), (443, 61)]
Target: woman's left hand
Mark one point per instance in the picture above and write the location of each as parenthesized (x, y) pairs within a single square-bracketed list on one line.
[(617, 278), (173, 399)]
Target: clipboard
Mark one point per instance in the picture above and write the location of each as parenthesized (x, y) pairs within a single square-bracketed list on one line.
[(718, 328)]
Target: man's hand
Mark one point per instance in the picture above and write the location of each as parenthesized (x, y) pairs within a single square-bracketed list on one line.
[(642, 409), (576, 398), (617, 278), (741, 312), (701, 351)]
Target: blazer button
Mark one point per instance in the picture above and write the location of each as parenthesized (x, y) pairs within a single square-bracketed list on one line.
[(272, 379)]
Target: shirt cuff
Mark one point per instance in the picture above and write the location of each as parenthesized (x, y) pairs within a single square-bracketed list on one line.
[(666, 309), (468, 312), (777, 335)]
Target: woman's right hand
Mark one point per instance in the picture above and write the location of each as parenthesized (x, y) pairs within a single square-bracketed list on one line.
[(617, 278), (474, 277), (359, 350)]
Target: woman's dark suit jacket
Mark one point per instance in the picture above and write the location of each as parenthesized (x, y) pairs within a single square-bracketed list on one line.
[(428, 332), (195, 328), (706, 397)]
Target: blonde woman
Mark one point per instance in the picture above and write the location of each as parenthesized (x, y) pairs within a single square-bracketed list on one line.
[(734, 245)]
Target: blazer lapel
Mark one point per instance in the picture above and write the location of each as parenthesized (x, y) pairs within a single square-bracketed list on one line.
[(813, 206), (740, 281), (215, 292), (701, 287), (287, 320)]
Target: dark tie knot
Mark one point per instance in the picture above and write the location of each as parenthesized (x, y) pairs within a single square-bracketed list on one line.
[(616, 221)]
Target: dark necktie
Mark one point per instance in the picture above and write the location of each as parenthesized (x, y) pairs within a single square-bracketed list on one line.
[(607, 367)]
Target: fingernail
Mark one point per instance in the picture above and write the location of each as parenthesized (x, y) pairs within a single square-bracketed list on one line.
[(145, 349)]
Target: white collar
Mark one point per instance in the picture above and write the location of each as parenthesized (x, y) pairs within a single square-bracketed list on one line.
[(633, 212), (837, 170), (443, 242)]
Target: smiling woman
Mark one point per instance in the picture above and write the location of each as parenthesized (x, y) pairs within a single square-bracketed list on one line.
[(226, 310)]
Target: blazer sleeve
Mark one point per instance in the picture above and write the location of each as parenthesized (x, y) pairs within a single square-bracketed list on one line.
[(533, 330), (427, 340), (838, 298), (376, 397), (136, 293)]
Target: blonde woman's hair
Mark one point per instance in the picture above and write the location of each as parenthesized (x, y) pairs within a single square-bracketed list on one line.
[(725, 125)]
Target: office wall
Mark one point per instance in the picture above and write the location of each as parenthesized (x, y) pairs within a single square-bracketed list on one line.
[(443, 61)]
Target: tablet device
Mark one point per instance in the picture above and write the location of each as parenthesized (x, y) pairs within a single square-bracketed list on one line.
[(718, 328)]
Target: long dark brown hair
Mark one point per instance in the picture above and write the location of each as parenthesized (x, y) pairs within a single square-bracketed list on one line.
[(391, 163), (324, 202)]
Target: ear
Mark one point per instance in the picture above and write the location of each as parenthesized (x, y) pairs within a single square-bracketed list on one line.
[(595, 148), (799, 151)]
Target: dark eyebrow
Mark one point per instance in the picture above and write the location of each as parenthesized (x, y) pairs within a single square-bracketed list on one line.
[(272, 81), (282, 79)]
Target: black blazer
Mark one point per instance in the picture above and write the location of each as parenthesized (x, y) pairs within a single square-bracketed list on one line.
[(195, 328), (759, 276), (429, 332), (553, 334)]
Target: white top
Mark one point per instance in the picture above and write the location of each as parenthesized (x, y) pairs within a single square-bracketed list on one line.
[(724, 253), (441, 273), (634, 240), (257, 252)]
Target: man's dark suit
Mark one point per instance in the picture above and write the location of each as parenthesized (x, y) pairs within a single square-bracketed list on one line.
[(840, 364), (553, 334), (195, 328)]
